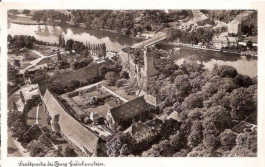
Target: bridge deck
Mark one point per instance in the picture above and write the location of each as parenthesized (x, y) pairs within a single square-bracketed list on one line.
[(157, 38)]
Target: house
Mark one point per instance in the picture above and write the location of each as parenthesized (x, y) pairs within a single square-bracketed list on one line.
[(223, 41), (62, 122), (123, 115)]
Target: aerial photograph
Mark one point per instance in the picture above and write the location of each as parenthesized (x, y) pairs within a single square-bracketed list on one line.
[(132, 83)]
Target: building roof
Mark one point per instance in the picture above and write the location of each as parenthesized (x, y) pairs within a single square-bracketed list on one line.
[(71, 128), (129, 110)]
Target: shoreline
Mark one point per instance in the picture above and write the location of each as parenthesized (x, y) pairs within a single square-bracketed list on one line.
[(34, 23), (214, 50)]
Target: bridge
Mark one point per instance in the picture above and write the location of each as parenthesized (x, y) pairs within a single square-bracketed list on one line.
[(158, 37)]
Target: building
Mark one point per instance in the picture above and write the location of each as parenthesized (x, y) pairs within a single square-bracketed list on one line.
[(223, 41), (235, 26), (123, 115)]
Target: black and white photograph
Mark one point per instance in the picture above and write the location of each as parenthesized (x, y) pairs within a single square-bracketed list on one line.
[(132, 83)]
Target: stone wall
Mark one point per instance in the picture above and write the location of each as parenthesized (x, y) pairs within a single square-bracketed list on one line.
[(79, 135)]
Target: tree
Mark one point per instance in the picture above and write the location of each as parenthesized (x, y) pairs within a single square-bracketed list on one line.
[(228, 138), (194, 100), (225, 71), (195, 136), (17, 63), (182, 83), (242, 103), (69, 152), (26, 12), (111, 77), (219, 117), (176, 141), (13, 116), (124, 74), (15, 106), (61, 41), (22, 97), (36, 149), (69, 44), (243, 80)]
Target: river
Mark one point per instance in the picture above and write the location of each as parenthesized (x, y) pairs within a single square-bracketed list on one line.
[(114, 41), (244, 65)]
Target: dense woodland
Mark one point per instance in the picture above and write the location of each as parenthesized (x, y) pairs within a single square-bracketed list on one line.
[(214, 109)]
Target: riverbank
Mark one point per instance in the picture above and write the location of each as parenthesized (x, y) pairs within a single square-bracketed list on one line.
[(20, 20), (23, 20), (211, 49)]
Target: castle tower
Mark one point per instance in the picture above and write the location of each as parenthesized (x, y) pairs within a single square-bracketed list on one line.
[(149, 68)]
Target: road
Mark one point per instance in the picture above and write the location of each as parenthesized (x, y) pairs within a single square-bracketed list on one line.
[(36, 61)]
